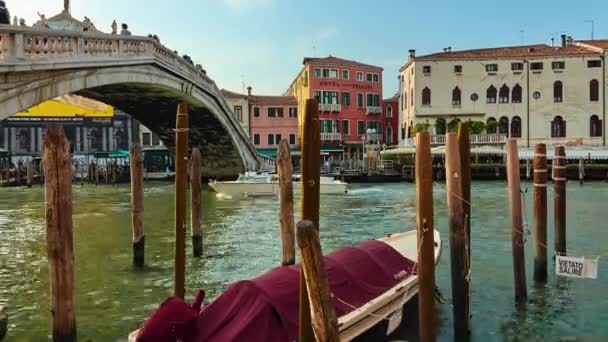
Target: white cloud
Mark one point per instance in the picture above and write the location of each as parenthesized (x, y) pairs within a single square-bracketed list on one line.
[(240, 5)]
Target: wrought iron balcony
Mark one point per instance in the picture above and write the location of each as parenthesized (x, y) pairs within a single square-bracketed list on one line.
[(331, 137)]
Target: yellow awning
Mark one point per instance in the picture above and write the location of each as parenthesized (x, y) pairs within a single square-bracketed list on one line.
[(69, 106)]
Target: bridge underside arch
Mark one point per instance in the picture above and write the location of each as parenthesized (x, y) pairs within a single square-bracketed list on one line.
[(151, 96)]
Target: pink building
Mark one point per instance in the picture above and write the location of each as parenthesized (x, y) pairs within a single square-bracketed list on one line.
[(272, 118), (390, 120)]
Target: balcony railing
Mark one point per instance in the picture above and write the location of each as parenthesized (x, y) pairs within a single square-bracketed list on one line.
[(476, 139), (329, 107), (336, 107), (373, 110), (331, 137)]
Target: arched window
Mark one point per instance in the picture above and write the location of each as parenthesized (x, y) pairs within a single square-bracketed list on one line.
[(558, 91), (516, 95), (426, 96), (389, 111), (491, 95), (456, 96), (491, 125), (594, 90), (503, 125), (404, 100), (440, 126), (558, 127), (516, 127), (389, 136), (504, 94), (595, 126)]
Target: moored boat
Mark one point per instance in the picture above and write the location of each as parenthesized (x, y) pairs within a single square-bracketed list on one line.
[(369, 283), (251, 184)]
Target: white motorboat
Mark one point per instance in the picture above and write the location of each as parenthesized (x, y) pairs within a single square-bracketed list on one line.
[(252, 184)]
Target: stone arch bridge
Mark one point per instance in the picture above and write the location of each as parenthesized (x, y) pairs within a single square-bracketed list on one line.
[(135, 74)]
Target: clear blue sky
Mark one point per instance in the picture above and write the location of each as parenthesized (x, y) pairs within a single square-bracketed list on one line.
[(264, 41)]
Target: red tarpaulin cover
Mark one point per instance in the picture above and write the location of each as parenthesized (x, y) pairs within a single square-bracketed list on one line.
[(266, 308)]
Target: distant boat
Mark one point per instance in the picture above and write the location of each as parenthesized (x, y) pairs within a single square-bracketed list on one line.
[(252, 184), (370, 283)]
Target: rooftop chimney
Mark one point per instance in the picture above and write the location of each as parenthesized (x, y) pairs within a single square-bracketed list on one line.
[(563, 40), (249, 91), (449, 49), (569, 41), (412, 53), (552, 42)]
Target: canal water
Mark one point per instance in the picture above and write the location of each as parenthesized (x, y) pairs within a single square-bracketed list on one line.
[(241, 240)]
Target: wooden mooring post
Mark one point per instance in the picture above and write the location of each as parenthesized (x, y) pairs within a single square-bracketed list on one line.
[(427, 312), (458, 254), (581, 171), (517, 230), (310, 165), (324, 321), (137, 205), (464, 147), (559, 190), (195, 202), (30, 174), (59, 235), (540, 213), (181, 149), (285, 171)]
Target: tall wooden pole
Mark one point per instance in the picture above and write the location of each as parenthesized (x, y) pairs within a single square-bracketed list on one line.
[(559, 185), (285, 171), (540, 213), (59, 232), (458, 253), (517, 233), (464, 147), (30, 174), (324, 321), (137, 204), (427, 312), (311, 158), (181, 148), (195, 202)]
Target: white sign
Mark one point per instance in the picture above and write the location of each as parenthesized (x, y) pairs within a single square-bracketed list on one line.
[(576, 267)]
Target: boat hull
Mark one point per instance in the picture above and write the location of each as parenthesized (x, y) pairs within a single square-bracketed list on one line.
[(240, 189)]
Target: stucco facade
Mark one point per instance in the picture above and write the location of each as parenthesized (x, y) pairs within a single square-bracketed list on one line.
[(239, 106), (390, 115), (273, 118), (538, 93)]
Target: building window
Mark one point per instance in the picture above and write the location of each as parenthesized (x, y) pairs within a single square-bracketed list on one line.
[(389, 111), (238, 112), (293, 112), (404, 100), (536, 66), (389, 136), (146, 138), (292, 139), (275, 112), (345, 127), (256, 112), (326, 73), (327, 126), (516, 94), (491, 95), (558, 65), (376, 78), (412, 97), (271, 139), (458, 69), (329, 97), (155, 139), (333, 73), (346, 99), (426, 69), (594, 90), (361, 127), (517, 66), (594, 64), (360, 100), (360, 76), (318, 95), (516, 127), (345, 74), (316, 73), (491, 67), (337, 126), (456, 96), (536, 95), (474, 97), (558, 127), (426, 96), (369, 77), (256, 139), (373, 100), (440, 126), (491, 125), (277, 138), (503, 126), (558, 91), (595, 126), (503, 95)]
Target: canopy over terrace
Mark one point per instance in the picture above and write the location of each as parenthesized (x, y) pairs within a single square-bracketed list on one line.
[(573, 153)]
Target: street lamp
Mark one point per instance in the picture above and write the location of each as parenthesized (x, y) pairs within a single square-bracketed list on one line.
[(5, 16)]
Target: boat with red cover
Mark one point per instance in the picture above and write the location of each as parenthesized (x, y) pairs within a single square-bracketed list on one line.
[(369, 283)]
